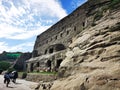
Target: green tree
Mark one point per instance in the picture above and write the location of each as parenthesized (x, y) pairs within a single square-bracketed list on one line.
[(4, 65)]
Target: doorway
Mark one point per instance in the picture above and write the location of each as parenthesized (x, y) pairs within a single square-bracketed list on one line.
[(31, 67), (58, 63)]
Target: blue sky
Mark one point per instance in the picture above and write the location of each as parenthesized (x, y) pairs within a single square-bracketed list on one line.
[(22, 20)]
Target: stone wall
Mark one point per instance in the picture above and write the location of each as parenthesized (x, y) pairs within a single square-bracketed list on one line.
[(93, 62), (58, 37), (46, 62), (67, 28), (40, 77)]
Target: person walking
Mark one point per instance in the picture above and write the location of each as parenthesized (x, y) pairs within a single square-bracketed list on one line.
[(15, 76), (6, 78)]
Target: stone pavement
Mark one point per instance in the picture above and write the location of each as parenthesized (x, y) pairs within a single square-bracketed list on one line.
[(20, 85)]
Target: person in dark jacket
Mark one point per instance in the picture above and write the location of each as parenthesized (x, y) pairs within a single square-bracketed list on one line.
[(15, 76), (6, 79)]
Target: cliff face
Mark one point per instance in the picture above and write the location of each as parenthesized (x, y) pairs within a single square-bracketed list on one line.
[(51, 45), (20, 62), (93, 58), (67, 28)]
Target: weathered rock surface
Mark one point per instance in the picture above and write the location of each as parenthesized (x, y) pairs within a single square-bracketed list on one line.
[(44, 85), (40, 77), (20, 62), (93, 59)]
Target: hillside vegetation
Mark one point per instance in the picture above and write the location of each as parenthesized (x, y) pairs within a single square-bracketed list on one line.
[(9, 56)]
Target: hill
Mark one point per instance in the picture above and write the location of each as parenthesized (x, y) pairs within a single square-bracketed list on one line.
[(9, 56)]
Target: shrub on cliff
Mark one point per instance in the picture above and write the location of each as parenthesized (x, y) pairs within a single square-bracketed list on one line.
[(4, 65), (24, 75), (113, 3), (98, 15)]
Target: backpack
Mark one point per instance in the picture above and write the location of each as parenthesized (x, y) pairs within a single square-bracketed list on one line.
[(6, 76), (11, 75)]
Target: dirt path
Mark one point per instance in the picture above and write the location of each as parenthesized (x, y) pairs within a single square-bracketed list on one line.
[(20, 85)]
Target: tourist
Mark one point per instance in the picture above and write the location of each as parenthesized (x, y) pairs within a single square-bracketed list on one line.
[(7, 78), (15, 76)]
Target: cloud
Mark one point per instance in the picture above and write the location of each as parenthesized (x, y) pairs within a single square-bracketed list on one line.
[(28, 34), (24, 20), (28, 16), (2, 46), (21, 47), (48, 7), (10, 32), (7, 30)]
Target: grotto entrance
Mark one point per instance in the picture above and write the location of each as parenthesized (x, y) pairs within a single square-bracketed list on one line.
[(48, 64), (58, 63), (31, 67), (59, 47), (38, 64), (54, 48), (51, 50)]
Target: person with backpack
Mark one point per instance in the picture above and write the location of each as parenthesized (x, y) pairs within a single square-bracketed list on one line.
[(15, 76), (6, 78)]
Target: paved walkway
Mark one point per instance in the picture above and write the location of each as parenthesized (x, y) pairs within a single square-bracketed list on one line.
[(20, 85)]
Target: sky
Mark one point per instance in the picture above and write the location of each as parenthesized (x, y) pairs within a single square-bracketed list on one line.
[(22, 20)]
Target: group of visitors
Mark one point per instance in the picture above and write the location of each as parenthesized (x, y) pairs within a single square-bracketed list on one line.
[(10, 76)]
